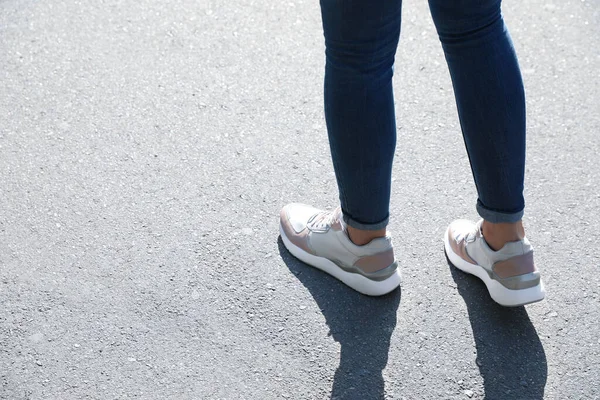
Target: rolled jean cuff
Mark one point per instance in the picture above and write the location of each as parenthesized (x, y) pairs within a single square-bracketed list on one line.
[(498, 217), (366, 227)]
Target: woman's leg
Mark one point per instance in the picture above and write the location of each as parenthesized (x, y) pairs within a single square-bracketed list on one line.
[(361, 37), (491, 105)]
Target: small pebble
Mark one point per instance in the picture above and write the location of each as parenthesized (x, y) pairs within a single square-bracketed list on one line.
[(469, 393)]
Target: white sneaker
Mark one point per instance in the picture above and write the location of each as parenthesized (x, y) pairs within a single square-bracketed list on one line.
[(319, 239), (509, 273)]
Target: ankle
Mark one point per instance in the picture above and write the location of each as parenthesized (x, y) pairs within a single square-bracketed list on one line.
[(361, 237), (497, 235)]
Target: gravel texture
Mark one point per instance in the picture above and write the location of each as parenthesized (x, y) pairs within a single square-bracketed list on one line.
[(146, 148)]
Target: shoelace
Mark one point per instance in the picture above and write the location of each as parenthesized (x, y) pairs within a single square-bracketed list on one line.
[(322, 219), (467, 236)]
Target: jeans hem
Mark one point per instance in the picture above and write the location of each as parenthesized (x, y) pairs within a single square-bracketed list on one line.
[(366, 227), (497, 217)]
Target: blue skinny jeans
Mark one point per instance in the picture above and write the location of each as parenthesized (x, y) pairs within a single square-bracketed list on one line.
[(361, 37)]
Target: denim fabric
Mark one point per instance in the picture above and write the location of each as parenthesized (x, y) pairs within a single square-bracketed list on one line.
[(361, 37)]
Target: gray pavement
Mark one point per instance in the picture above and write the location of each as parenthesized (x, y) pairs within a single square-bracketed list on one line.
[(146, 148)]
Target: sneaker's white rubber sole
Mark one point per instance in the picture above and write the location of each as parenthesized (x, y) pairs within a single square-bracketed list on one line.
[(500, 294), (355, 281)]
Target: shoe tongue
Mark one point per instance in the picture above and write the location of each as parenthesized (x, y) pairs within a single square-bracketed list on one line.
[(338, 215), (479, 226)]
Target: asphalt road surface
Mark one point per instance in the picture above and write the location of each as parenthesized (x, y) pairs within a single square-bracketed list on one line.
[(146, 148)]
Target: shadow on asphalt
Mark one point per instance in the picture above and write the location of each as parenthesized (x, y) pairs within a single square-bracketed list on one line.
[(362, 326), (510, 356)]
